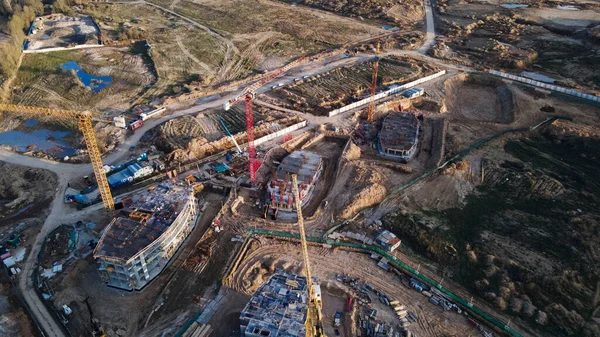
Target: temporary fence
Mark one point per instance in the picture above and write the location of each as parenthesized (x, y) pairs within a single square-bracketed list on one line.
[(546, 86), (415, 273), (385, 93)]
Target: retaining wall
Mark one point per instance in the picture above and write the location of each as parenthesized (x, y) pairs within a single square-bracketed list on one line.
[(385, 93), (546, 86)]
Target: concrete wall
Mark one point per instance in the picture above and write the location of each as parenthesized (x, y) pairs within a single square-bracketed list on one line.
[(386, 93), (47, 50), (279, 133), (546, 86)]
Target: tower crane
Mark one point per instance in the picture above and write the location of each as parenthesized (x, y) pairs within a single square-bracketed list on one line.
[(371, 108), (84, 121), (247, 95), (314, 316)]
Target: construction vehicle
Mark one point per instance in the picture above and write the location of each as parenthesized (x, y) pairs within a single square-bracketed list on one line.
[(84, 121), (97, 330), (314, 316)]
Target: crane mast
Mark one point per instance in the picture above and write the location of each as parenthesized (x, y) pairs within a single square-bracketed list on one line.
[(250, 135), (84, 122), (314, 317), (371, 108)]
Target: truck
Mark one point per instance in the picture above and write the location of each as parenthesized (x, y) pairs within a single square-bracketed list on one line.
[(154, 113), (338, 318), (136, 124)]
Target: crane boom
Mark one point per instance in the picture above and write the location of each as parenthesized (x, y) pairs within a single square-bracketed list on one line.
[(262, 81), (314, 317), (84, 121)]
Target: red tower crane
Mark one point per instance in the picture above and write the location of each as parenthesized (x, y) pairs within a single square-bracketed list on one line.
[(371, 108), (252, 167)]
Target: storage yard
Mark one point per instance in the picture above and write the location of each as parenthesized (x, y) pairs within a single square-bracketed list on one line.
[(303, 169)]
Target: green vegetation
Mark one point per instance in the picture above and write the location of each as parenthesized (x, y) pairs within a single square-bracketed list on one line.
[(18, 17)]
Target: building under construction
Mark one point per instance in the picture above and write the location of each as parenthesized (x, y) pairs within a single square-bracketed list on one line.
[(399, 136), (145, 234), (277, 309), (308, 166)]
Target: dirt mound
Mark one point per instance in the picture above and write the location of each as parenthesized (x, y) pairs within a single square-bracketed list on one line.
[(353, 152), (364, 189), (178, 132), (479, 98), (200, 147), (20, 186)]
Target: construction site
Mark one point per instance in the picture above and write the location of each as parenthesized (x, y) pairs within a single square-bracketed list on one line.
[(302, 169)]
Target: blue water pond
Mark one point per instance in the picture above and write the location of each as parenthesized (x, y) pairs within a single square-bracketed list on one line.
[(43, 140), (96, 83)]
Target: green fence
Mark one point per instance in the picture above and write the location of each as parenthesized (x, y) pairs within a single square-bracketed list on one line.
[(407, 268)]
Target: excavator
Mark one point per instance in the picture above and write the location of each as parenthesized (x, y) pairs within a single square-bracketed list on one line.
[(314, 316), (97, 330)]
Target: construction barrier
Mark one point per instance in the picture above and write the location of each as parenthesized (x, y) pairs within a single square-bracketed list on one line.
[(385, 94), (546, 86), (47, 50), (280, 133), (415, 273)]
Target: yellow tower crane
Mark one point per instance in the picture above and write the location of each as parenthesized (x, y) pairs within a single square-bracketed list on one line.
[(84, 121), (314, 317)]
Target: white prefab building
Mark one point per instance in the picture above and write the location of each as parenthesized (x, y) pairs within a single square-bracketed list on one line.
[(138, 171), (138, 243)]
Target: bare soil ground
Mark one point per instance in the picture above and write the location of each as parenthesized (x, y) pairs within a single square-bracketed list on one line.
[(187, 138), (503, 206), (402, 13), (24, 191), (125, 313), (320, 94), (14, 317), (58, 30), (25, 197), (266, 256), (40, 80), (181, 52), (478, 98), (561, 44)]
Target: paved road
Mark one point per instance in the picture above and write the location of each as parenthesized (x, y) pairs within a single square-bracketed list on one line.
[(430, 34), (61, 212)]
